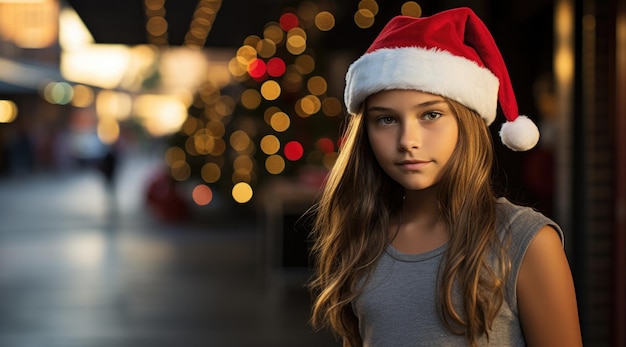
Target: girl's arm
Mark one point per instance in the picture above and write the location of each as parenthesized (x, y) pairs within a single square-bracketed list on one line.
[(545, 294)]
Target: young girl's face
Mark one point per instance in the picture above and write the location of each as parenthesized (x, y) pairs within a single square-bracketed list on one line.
[(412, 134)]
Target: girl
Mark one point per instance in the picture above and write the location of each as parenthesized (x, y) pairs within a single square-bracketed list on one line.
[(412, 248)]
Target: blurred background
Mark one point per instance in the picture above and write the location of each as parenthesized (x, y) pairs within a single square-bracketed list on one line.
[(156, 157)]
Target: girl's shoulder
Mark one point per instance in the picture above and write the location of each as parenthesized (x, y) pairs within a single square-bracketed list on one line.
[(521, 223)]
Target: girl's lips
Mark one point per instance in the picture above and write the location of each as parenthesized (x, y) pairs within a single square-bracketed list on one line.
[(413, 165)]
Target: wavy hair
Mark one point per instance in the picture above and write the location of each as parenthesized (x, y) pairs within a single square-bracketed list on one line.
[(350, 232)]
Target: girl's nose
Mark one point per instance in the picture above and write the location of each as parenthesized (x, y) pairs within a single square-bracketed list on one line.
[(410, 137)]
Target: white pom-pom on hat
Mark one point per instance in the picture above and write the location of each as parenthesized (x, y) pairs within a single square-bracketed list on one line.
[(520, 134)]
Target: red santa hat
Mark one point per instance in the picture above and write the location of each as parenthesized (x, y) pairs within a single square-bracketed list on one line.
[(451, 54)]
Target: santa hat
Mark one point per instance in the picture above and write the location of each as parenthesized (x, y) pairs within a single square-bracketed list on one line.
[(451, 54)]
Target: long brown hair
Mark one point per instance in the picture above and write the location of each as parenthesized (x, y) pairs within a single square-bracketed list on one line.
[(351, 231)]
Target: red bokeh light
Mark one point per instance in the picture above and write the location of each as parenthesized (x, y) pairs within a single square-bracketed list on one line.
[(288, 21), (325, 145), (257, 68), (293, 150), (276, 67)]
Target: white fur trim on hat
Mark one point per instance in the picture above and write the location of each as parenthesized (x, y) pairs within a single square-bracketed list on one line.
[(429, 70), (520, 135)]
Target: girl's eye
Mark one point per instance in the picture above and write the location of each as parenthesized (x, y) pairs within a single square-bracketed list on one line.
[(385, 120), (431, 116)]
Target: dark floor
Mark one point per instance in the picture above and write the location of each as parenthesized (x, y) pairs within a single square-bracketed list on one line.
[(77, 271)]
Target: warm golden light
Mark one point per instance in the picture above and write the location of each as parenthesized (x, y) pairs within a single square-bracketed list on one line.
[(250, 99), (83, 96), (112, 104), (275, 164), (180, 171), (266, 48), (246, 54), (108, 130), (97, 65), (29, 24), (411, 9), (325, 21), (274, 33), (305, 64), (270, 144), (332, 107), (174, 154), (8, 111), (216, 128), (296, 44), (270, 90), (308, 106), (280, 121), (156, 26), (370, 5), (160, 114), (211, 172), (239, 140), (242, 192), (243, 163), (219, 147), (317, 85), (364, 18)]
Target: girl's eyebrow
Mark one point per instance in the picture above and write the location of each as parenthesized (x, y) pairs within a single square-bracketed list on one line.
[(420, 105)]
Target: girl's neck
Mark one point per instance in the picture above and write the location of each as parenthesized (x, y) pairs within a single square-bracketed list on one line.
[(421, 205), (419, 228)]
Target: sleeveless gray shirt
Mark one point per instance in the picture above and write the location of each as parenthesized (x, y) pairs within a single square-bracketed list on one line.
[(398, 304)]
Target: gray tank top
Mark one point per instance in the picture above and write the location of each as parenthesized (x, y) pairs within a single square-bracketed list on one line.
[(398, 304)]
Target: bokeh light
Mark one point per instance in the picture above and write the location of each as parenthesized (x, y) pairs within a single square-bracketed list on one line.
[(274, 33), (113, 104), (305, 64), (275, 164), (317, 85), (266, 48), (108, 130), (239, 140), (202, 194), (280, 121), (276, 67), (411, 9), (210, 172), (270, 90), (180, 171), (250, 99), (332, 106), (325, 21), (270, 144), (325, 145), (8, 111), (60, 93), (242, 192), (364, 18), (256, 68), (288, 21), (308, 105), (174, 154), (83, 96), (370, 5), (293, 150)]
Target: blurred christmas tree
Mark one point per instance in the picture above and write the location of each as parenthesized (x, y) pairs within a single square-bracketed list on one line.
[(277, 121)]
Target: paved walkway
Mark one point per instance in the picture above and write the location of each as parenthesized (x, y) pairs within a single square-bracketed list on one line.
[(77, 270)]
